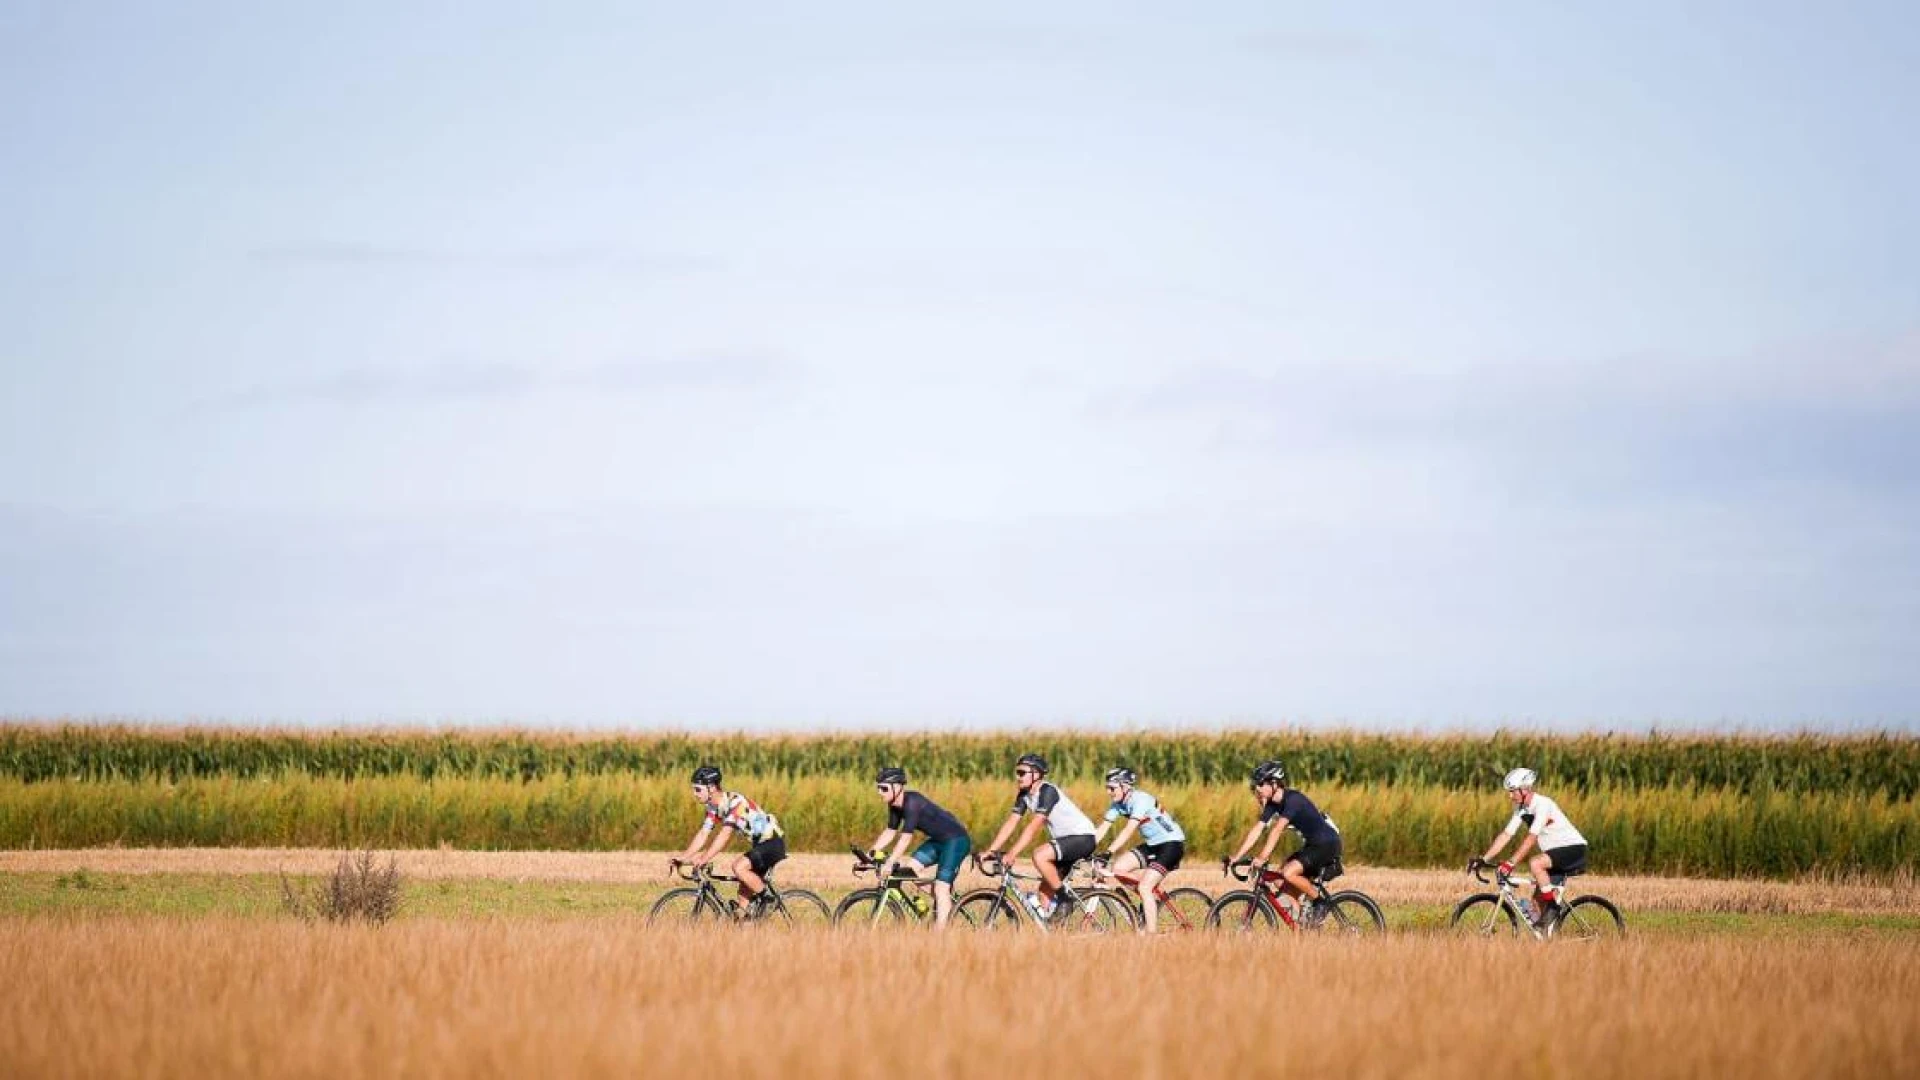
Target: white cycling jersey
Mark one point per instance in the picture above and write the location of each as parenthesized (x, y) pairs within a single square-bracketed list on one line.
[(1546, 822), (1063, 818)]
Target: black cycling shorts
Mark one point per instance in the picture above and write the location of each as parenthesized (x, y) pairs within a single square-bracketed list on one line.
[(1317, 857), (766, 854), (1163, 857), (1571, 859), (1071, 850)]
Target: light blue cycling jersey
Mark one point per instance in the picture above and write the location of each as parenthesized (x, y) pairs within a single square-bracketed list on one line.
[(1156, 825)]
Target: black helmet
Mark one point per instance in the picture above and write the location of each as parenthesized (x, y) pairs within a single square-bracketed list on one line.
[(1268, 772), (1120, 774), (708, 775), (1039, 763), (892, 774)]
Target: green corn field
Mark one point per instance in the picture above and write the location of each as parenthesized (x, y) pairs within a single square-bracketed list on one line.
[(1884, 763), (1699, 805)]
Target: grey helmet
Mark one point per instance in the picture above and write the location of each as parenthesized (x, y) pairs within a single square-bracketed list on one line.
[(1120, 774), (1268, 772)]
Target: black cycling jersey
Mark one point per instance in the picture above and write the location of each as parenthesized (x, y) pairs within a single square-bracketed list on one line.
[(917, 813), (1303, 816)]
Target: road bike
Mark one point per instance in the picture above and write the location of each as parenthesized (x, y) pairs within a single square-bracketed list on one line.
[(703, 901), (1586, 918), (1181, 910), (901, 899), (1348, 912), (1004, 906)]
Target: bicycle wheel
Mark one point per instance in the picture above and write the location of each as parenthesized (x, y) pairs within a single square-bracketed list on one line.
[(987, 909), (1353, 914), (1483, 915), (1094, 912), (868, 907), (799, 907), (681, 905), (1184, 911), (1591, 918), (1240, 911)]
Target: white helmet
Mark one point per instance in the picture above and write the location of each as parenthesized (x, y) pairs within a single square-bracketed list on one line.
[(1521, 778)]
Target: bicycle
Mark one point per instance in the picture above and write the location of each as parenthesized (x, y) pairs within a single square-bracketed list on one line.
[(704, 901), (1350, 911), (1000, 907), (1589, 918), (1181, 910), (887, 903)]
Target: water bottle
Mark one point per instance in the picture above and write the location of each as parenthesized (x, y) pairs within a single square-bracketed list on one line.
[(1526, 907), (920, 903), (1033, 905)]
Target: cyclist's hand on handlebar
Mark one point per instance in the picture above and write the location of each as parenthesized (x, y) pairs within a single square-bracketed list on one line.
[(1506, 869)]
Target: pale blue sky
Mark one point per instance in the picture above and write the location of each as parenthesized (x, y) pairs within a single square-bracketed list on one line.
[(689, 364)]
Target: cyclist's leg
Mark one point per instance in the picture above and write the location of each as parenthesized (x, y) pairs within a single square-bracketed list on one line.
[(753, 867), (951, 854), (1149, 904), (1294, 873), (1128, 866), (749, 884), (1541, 864), (1046, 859)]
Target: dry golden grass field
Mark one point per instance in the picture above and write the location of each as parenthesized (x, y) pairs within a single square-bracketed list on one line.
[(162, 963), (428, 998)]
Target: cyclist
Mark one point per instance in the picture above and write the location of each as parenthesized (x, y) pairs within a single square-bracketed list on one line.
[(947, 844), (1162, 842), (1562, 849), (730, 812), (1071, 831), (1285, 808)]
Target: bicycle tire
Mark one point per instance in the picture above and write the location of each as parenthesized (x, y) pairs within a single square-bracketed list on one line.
[(680, 905), (1096, 911), (868, 907), (1353, 914), (988, 909), (800, 907), (1591, 918), (1240, 911), (1184, 911), (1480, 915)]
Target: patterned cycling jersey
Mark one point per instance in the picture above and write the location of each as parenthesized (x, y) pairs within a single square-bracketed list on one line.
[(1156, 825), (745, 816), (1546, 821), (1063, 818)]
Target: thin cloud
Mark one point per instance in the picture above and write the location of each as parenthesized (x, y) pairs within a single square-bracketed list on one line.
[(453, 382), (529, 260)]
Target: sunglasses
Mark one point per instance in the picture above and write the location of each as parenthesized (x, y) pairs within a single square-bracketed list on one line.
[(1114, 787), (884, 789), (1025, 772)]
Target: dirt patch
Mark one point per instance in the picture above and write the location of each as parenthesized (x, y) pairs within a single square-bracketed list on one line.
[(1394, 888)]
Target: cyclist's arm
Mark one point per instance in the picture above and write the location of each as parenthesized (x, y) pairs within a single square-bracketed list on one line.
[(1247, 844), (1006, 830), (721, 836), (1526, 845), (900, 846), (1027, 836), (1119, 842), (1498, 843), (1273, 839), (694, 845), (880, 842)]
